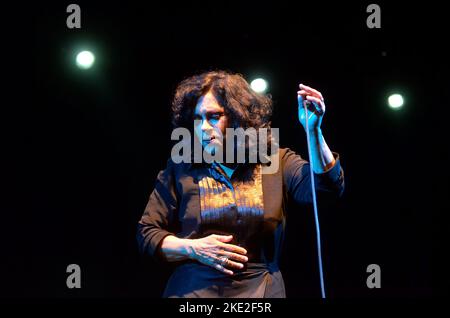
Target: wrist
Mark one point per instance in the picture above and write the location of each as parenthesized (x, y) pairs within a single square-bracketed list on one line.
[(315, 131), (187, 248)]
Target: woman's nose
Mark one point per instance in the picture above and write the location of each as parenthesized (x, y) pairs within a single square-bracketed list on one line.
[(206, 126)]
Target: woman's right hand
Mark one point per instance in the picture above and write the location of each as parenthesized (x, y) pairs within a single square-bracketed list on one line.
[(214, 251)]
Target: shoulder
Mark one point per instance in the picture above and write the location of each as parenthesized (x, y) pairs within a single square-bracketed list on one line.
[(171, 170), (285, 160), (289, 156)]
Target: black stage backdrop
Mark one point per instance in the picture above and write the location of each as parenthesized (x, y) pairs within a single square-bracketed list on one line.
[(88, 144)]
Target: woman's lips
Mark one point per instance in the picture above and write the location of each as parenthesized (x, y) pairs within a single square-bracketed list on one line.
[(209, 140)]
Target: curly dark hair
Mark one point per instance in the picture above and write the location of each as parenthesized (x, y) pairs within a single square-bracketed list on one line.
[(244, 107)]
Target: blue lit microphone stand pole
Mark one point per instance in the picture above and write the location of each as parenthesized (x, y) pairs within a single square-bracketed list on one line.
[(316, 214)]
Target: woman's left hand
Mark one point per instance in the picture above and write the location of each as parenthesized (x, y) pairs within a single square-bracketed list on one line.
[(315, 106)]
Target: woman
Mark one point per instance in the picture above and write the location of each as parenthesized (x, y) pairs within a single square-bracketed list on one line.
[(223, 223)]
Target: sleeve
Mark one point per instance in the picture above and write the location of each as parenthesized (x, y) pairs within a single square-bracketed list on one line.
[(297, 179), (159, 214)]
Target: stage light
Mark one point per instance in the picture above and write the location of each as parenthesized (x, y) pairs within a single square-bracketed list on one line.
[(85, 60), (259, 85), (395, 101)]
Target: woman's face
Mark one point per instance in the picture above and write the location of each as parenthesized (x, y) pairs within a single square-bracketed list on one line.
[(210, 124)]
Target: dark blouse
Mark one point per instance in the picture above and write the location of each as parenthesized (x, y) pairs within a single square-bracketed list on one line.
[(195, 200)]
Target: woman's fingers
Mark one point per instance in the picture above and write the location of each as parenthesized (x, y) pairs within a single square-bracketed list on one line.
[(312, 91), (222, 238), (234, 248), (223, 269), (224, 265), (234, 256), (317, 103), (231, 264)]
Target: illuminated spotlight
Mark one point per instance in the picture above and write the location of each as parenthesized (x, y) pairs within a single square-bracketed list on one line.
[(259, 85), (85, 59), (395, 101)]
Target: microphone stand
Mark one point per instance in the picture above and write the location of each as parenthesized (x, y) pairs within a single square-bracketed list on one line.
[(316, 214)]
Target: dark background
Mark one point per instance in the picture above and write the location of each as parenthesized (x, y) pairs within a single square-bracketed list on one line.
[(89, 144)]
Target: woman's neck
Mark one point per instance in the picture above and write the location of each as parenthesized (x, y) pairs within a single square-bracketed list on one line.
[(228, 168)]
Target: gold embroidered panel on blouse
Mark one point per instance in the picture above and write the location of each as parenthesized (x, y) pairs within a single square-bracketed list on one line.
[(231, 206)]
